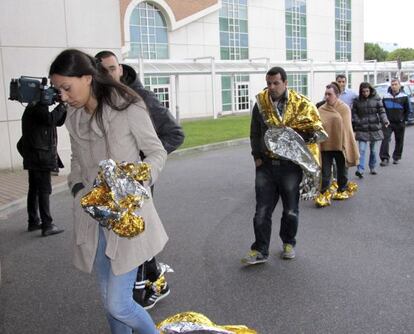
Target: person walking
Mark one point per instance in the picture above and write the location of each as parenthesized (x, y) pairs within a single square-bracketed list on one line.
[(278, 106), (397, 106), (108, 120), (368, 119), (340, 146), (346, 95), (150, 286), (38, 147)]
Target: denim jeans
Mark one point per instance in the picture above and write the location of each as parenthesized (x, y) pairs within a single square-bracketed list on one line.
[(372, 155), (123, 313), (274, 179)]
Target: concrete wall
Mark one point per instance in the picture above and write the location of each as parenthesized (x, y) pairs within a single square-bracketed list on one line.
[(32, 33)]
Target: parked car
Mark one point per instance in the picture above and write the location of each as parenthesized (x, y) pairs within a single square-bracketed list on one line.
[(408, 87)]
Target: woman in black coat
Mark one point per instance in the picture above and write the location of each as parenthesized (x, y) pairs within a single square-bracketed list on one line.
[(368, 118)]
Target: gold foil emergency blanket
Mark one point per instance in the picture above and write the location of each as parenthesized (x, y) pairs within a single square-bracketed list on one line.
[(299, 113), (286, 143), (192, 322), (117, 196)]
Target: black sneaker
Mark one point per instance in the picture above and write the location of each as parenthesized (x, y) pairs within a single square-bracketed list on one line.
[(34, 227), (154, 294), (139, 291), (359, 174)]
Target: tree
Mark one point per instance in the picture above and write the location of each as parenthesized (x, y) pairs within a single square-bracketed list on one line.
[(374, 51), (403, 54)]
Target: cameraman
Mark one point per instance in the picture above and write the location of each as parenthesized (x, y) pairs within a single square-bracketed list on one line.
[(38, 147)]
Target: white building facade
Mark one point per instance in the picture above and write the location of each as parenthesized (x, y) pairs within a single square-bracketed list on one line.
[(32, 33)]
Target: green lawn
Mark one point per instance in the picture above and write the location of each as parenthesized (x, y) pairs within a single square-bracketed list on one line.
[(209, 131)]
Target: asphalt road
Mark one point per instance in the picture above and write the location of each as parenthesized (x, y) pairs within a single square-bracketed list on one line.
[(353, 273)]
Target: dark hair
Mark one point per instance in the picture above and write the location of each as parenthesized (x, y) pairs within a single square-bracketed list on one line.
[(75, 63), (278, 70), (365, 85), (341, 76), (105, 54), (334, 85)]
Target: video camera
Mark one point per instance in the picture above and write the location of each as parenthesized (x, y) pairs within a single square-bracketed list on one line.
[(33, 90)]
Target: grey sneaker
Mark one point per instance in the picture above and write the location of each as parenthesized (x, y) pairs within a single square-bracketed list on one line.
[(288, 252), (384, 163), (254, 257)]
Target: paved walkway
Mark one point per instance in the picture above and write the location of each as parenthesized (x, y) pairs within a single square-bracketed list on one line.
[(13, 189), (14, 184)]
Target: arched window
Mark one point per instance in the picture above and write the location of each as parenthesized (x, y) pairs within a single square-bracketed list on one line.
[(148, 33)]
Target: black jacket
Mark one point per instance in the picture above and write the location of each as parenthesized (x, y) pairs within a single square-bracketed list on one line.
[(368, 117), (397, 106), (168, 130), (38, 144)]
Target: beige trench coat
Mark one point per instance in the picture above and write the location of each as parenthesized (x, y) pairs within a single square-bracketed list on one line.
[(129, 132)]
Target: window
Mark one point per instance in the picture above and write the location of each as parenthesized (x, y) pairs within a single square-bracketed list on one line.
[(298, 82), (148, 33), (149, 40), (234, 45), (343, 31), (296, 41)]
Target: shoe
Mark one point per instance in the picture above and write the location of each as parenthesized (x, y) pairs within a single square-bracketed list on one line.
[(288, 252), (384, 162), (396, 162), (373, 171), (139, 291), (340, 195), (254, 257), (157, 291), (34, 227), (323, 199), (51, 230), (359, 174)]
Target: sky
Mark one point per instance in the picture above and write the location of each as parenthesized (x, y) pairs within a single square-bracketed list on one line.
[(381, 15)]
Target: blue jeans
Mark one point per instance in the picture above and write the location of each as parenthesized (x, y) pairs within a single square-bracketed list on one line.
[(372, 155), (123, 313)]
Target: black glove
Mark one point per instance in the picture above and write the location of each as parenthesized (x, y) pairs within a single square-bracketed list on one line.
[(76, 188)]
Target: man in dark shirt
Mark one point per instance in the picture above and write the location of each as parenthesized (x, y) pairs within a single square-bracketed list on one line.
[(278, 177)]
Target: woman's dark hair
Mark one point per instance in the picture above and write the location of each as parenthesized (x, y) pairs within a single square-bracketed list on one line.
[(365, 85), (75, 63), (334, 85)]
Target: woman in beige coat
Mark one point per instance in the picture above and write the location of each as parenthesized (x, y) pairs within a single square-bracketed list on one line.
[(108, 120), (340, 145)]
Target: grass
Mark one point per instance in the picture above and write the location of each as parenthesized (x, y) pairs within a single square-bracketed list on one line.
[(207, 131)]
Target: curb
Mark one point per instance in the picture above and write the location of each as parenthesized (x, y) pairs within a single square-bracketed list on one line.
[(20, 203)]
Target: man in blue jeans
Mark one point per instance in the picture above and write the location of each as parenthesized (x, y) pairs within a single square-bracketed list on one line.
[(276, 177)]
